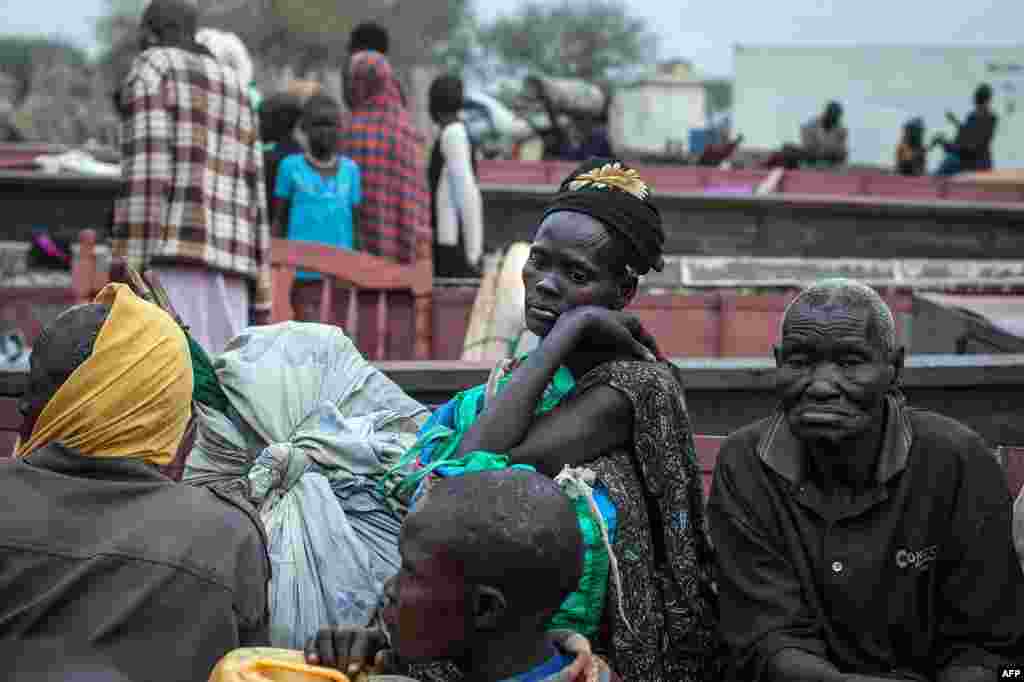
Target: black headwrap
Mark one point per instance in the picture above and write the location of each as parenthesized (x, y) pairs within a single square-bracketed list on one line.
[(611, 192)]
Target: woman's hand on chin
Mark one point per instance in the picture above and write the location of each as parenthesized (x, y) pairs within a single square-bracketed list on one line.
[(607, 334)]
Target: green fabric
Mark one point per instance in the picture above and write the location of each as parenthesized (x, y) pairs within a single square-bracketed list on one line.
[(255, 98), (444, 440), (206, 388), (582, 610)]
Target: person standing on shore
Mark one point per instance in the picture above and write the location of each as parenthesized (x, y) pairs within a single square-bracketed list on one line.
[(193, 208)]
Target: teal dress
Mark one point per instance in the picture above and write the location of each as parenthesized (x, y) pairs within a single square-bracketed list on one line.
[(321, 209)]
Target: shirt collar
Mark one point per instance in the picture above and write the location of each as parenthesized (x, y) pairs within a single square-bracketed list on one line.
[(781, 450), (60, 459)]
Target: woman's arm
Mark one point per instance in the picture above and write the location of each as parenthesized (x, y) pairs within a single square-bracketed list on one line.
[(585, 428), (508, 415), (588, 425)]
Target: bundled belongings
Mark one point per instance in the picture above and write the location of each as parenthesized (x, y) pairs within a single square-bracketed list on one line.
[(308, 430)]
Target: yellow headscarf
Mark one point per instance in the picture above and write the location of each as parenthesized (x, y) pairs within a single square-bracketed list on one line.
[(133, 396)]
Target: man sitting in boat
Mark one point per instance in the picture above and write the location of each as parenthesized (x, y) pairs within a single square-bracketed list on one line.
[(100, 552), (487, 559), (857, 537), (823, 138), (594, 397)]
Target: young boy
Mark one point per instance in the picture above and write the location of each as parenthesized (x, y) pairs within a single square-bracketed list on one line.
[(487, 558)]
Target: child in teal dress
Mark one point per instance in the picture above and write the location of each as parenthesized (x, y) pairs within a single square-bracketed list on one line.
[(316, 193)]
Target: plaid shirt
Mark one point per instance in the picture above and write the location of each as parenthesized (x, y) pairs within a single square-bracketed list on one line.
[(381, 139), (193, 170)]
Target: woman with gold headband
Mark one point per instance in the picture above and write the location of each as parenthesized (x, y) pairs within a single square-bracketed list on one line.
[(100, 551), (597, 398)]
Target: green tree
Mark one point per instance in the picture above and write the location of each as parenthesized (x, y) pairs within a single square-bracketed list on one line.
[(311, 31), (597, 40), (461, 48)]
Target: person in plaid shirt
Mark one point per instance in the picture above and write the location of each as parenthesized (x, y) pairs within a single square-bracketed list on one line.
[(194, 203), (394, 217)]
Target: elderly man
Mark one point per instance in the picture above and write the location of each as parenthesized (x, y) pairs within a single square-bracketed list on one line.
[(859, 538), (100, 553), (194, 207)]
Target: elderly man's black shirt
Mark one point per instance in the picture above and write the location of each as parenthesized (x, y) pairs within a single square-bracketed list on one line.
[(915, 574)]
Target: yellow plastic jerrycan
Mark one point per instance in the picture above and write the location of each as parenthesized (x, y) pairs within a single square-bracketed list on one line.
[(262, 664)]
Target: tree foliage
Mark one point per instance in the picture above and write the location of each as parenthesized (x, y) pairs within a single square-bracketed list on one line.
[(307, 32), (596, 40)]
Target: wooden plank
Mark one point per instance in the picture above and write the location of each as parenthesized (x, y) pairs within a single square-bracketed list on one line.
[(423, 319), (327, 299), (83, 268), (352, 318), (351, 267), (380, 351), (282, 281)]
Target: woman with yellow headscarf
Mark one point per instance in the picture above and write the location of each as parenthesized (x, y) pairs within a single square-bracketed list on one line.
[(101, 551)]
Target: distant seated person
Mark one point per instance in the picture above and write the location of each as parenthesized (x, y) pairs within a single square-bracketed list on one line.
[(317, 192), (487, 559), (858, 538), (100, 551), (823, 140), (911, 153), (823, 143), (971, 149), (720, 150)]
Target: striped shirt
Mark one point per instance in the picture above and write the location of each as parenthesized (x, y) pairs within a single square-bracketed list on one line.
[(193, 170)]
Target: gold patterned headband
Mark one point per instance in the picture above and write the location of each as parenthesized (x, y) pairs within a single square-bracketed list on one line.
[(612, 175)]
